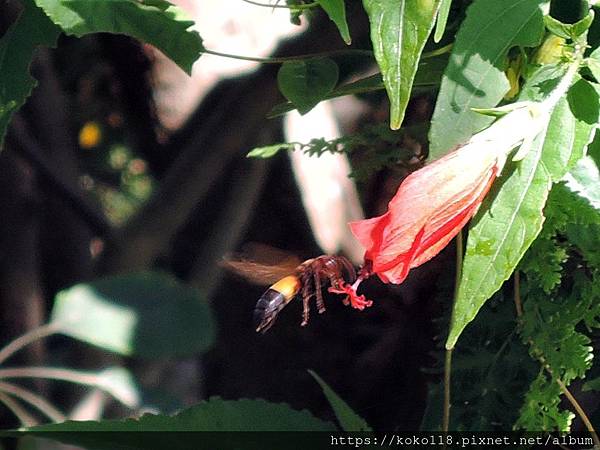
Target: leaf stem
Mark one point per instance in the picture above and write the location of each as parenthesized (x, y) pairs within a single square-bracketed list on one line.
[(293, 7), (33, 399), (20, 413), (282, 59), (27, 338)]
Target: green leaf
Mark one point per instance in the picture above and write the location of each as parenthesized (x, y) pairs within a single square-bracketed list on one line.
[(584, 181), (144, 314), (336, 10), (31, 30), (475, 75), (269, 151), (306, 82), (507, 225), (155, 22), (593, 63), (569, 30), (399, 30), (348, 419), (230, 417), (442, 19)]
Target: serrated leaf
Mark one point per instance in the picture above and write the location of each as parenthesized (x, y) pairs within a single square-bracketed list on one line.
[(306, 82), (399, 30), (475, 75), (348, 419), (511, 217), (155, 22), (269, 151), (30, 30), (593, 62), (336, 10), (230, 417), (145, 314)]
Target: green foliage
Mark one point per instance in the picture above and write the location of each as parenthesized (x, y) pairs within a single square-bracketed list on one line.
[(306, 82), (475, 75), (569, 31), (392, 148), (511, 217), (156, 22), (399, 30), (490, 373), (145, 314), (348, 419), (336, 10), (560, 306), (442, 19), (31, 30)]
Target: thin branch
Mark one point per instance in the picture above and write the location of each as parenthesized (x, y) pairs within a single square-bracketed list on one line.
[(51, 373), (296, 7), (27, 338), (35, 400), (282, 59), (517, 294), (21, 413), (582, 415), (563, 387)]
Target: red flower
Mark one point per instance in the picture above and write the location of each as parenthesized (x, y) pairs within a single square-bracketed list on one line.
[(429, 209)]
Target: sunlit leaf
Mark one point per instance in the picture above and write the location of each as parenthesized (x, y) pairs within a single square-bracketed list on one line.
[(475, 75), (155, 22), (144, 314), (511, 217), (399, 30)]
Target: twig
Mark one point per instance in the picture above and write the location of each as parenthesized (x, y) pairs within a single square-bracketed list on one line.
[(33, 399), (580, 412), (297, 7), (282, 59), (21, 413), (517, 294), (27, 338)]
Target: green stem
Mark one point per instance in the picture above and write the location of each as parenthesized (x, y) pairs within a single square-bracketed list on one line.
[(293, 7), (448, 359), (27, 338), (35, 400), (20, 413), (280, 60)]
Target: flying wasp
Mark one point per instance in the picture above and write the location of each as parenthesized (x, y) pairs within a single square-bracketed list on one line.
[(292, 277)]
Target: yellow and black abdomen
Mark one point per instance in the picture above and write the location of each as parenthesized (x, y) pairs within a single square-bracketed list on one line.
[(273, 301)]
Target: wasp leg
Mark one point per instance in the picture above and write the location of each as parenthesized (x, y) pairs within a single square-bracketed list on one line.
[(306, 295), (337, 287), (320, 302)]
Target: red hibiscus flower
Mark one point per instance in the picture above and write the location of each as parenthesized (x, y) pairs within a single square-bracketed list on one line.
[(433, 204)]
